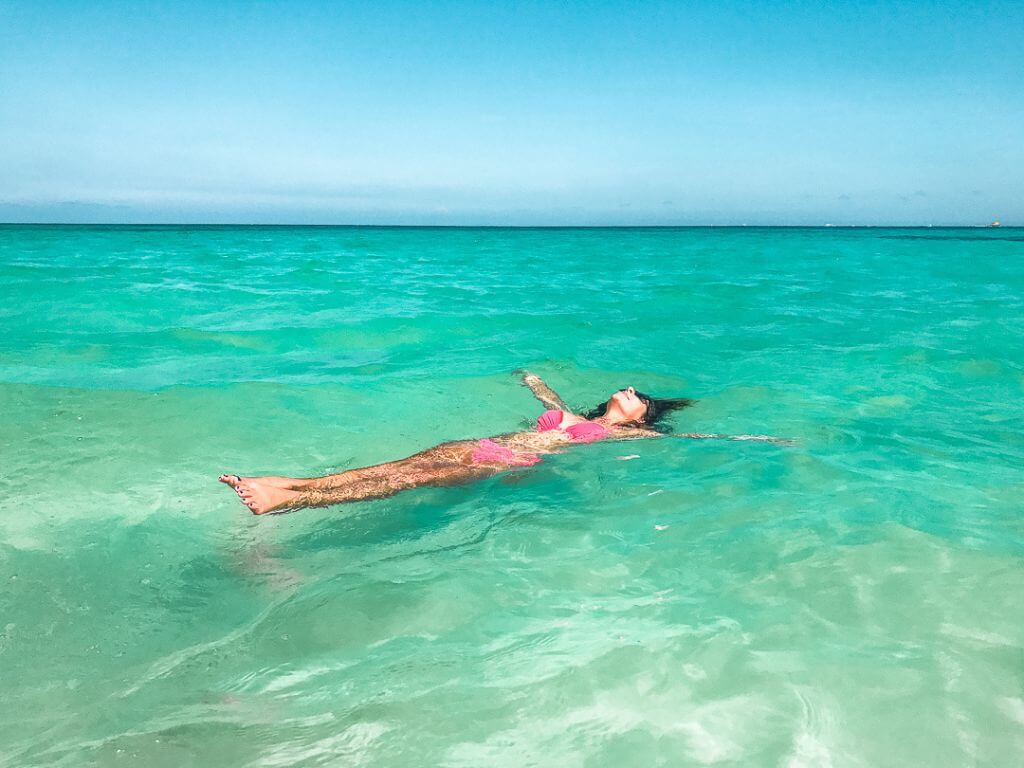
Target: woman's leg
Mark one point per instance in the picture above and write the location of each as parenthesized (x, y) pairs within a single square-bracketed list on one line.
[(405, 474), (446, 464), (301, 483), (455, 452)]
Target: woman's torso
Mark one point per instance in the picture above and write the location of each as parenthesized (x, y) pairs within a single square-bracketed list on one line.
[(556, 429), (527, 446)]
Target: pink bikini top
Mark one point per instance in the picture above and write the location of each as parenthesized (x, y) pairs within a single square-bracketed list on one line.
[(584, 432)]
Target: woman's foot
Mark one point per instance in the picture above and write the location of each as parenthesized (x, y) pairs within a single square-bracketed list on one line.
[(261, 497), (290, 483), (232, 480)]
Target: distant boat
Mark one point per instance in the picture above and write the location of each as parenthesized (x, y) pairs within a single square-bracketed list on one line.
[(995, 224)]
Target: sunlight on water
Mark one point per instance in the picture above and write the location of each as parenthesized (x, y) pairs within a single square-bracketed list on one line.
[(854, 600)]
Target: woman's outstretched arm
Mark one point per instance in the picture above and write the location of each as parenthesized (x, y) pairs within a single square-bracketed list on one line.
[(643, 434), (713, 436), (543, 392)]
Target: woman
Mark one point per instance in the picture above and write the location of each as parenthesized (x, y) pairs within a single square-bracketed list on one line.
[(628, 415)]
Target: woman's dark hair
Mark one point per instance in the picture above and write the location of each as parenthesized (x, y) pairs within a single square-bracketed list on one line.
[(657, 409)]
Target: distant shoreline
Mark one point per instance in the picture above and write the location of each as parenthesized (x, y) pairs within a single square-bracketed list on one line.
[(184, 225)]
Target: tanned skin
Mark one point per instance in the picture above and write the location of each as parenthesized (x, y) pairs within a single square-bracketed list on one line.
[(451, 463)]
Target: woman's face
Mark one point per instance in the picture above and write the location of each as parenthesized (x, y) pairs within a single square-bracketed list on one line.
[(627, 404)]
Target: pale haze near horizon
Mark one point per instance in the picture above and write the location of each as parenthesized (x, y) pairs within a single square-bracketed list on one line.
[(512, 113)]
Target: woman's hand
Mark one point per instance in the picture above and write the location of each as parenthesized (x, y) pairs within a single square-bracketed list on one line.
[(529, 379), (542, 391)]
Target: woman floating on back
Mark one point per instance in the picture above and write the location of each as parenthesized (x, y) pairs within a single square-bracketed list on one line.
[(627, 415)]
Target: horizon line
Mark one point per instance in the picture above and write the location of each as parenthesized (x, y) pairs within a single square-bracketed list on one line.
[(504, 226)]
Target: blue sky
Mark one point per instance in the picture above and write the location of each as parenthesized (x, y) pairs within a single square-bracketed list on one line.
[(512, 113)]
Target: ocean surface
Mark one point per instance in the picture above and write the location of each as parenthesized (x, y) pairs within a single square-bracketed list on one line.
[(856, 599)]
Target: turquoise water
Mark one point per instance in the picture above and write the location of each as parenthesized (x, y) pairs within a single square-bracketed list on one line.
[(854, 600)]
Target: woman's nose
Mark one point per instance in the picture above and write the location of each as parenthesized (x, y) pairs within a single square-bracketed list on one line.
[(631, 391)]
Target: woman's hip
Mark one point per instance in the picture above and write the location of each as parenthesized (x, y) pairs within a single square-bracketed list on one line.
[(477, 452)]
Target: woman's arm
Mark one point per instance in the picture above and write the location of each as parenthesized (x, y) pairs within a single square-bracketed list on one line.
[(629, 433), (758, 438), (543, 392)]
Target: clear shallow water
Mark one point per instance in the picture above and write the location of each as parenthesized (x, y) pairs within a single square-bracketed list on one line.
[(852, 601)]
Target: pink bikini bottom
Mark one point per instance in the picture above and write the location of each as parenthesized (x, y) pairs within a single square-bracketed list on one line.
[(489, 452)]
